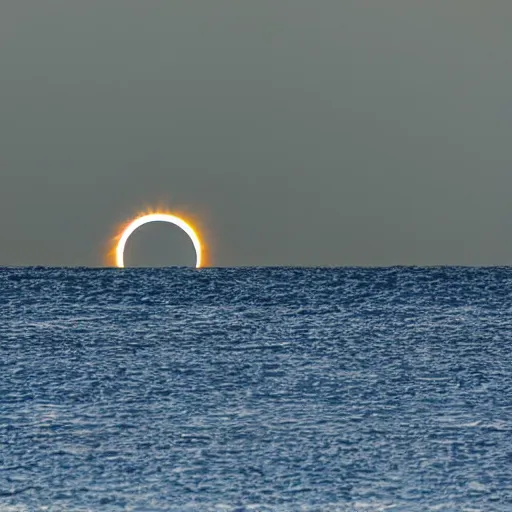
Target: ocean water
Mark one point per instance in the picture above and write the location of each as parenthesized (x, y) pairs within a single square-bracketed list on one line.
[(256, 389)]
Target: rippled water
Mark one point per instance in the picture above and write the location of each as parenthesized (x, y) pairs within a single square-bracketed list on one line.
[(256, 389)]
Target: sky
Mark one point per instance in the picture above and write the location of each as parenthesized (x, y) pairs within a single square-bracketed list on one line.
[(355, 132)]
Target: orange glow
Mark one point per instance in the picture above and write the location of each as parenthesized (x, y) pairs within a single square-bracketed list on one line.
[(116, 255)]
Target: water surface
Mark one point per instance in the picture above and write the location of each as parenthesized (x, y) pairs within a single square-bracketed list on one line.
[(256, 389)]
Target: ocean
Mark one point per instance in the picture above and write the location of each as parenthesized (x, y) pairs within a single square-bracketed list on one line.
[(256, 389)]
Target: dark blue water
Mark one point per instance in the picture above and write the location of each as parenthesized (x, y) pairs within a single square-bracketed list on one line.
[(256, 389)]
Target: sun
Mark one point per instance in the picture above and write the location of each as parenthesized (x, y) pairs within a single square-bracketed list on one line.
[(146, 218)]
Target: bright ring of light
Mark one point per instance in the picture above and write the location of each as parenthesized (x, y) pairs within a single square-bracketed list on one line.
[(157, 217)]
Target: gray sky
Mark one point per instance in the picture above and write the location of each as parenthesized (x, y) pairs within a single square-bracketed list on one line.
[(298, 132)]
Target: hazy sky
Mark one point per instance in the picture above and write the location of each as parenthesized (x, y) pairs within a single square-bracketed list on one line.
[(297, 132)]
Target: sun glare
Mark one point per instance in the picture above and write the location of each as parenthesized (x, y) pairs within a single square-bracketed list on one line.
[(156, 217)]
